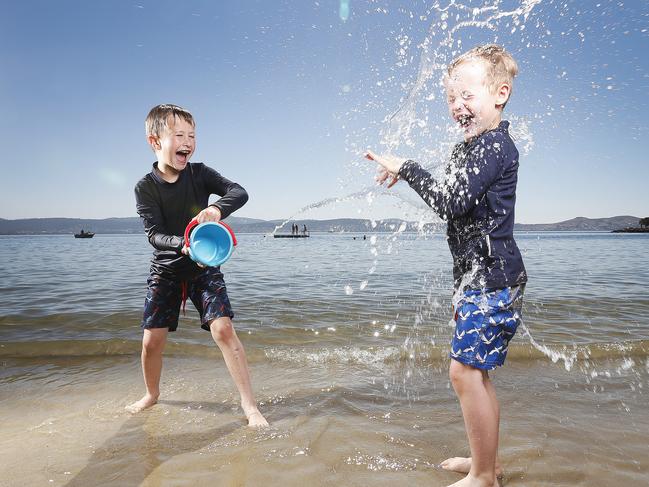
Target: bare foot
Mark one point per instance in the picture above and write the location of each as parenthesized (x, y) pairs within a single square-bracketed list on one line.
[(146, 402), (463, 465), (471, 481), (256, 419)]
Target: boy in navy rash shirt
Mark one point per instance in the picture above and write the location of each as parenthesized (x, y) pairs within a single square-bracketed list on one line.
[(477, 201), (174, 192)]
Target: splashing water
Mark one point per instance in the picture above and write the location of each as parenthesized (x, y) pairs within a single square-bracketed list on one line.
[(568, 357), (367, 194), (324, 203), (410, 124), (434, 60), (420, 128)]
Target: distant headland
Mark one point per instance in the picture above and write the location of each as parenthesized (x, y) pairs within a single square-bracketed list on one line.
[(61, 226), (643, 227)]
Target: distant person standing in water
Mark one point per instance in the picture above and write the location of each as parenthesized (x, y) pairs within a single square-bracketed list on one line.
[(174, 192), (477, 201)]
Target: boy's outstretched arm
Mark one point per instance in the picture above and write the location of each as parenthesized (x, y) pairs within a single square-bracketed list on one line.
[(449, 199), (458, 195)]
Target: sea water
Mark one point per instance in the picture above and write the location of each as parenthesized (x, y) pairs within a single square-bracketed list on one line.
[(354, 383)]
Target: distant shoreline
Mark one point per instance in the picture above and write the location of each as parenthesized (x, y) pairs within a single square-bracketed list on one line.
[(133, 225), (351, 233), (631, 230)]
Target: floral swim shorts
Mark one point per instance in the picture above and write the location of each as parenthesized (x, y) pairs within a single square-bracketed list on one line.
[(485, 322)]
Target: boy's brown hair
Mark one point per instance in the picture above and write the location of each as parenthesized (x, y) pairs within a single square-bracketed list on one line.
[(501, 66), (158, 118)]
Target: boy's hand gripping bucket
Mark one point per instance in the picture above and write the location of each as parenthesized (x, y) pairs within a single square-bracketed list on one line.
[(210, 243)]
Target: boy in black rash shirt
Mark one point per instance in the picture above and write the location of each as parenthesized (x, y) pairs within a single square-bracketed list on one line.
[(167, 198), (477, 201)]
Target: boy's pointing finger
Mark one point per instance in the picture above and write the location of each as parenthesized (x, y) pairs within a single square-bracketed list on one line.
[(395, 180)]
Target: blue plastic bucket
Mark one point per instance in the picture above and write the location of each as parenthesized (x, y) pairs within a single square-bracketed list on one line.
[(210, 243)]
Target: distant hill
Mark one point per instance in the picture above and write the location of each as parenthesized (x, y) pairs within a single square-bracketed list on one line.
[(53, 226), (582, 224), (56, 226)]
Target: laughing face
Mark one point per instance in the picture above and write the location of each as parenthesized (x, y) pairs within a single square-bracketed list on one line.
[(471, 102), (175, 146)]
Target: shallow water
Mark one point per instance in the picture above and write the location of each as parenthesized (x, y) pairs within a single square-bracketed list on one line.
[(353, 380)]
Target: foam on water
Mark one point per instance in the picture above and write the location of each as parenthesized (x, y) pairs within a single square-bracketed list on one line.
[(340, 355)]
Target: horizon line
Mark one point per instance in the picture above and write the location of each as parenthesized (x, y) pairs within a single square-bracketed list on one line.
[(312, 219)]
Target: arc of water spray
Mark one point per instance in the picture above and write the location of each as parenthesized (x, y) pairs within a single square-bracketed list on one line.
[(327, 201), (363, 193), (403, 116)]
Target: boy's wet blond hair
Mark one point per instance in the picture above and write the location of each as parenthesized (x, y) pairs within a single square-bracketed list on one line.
[(158, 118), (501, 66)]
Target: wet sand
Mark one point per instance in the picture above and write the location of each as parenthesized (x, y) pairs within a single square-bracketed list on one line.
[(352, 424)]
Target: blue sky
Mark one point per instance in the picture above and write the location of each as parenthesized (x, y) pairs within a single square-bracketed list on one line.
[(287, 94)]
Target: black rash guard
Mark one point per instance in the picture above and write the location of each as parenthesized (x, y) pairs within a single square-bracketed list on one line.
[(166, 209)]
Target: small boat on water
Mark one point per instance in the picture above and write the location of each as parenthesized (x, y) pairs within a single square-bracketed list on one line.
[(83, 234)]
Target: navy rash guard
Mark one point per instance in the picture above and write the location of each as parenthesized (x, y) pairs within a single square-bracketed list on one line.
[(477, 199), (166, 209)]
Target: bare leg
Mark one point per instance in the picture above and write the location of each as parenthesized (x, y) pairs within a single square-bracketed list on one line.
[(481, 422), (463, 464), (153, 344), (237, 363)]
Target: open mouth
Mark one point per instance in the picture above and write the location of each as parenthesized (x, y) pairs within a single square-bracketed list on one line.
[(464, 120), (183, 155)]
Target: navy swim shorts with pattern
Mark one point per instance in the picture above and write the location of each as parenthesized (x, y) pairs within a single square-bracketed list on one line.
[(485, 322), (164, 297)]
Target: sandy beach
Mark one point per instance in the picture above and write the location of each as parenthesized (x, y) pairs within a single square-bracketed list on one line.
[(333, 423)]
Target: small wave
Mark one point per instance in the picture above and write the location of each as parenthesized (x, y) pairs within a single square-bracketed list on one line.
[(68, 348), (94, 348), (338, 355), (426, 354), (417, 354)]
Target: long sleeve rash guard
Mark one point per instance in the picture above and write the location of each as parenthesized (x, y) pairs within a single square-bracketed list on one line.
[(166, 209), (477, 200)]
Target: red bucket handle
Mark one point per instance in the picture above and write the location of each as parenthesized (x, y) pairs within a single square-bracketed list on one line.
[(227, 227), (194, 222), (189, 228)]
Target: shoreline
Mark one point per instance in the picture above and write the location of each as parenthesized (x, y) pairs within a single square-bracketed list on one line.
[(133, 225), (632, 230), (344, 232)]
